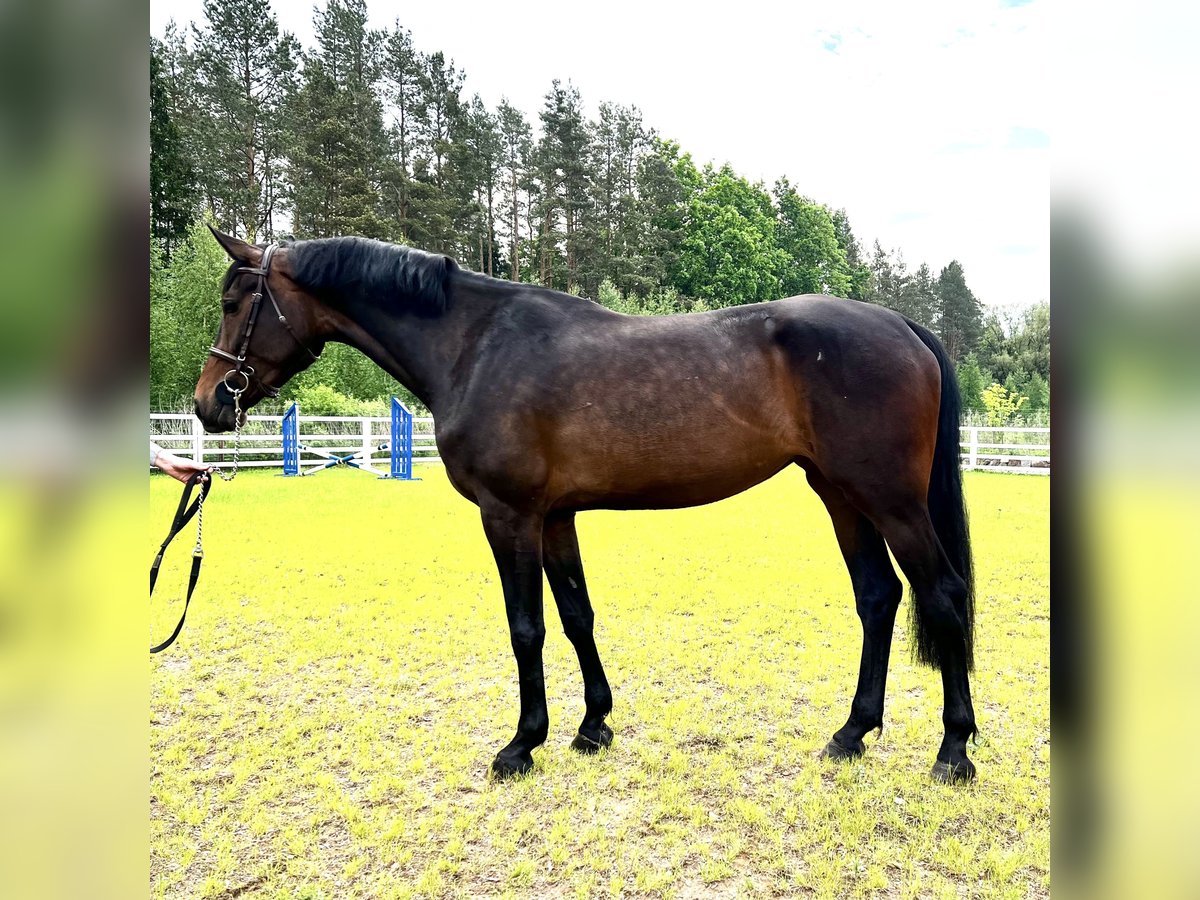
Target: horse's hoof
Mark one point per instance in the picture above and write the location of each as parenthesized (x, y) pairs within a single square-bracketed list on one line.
[(505, 767), (589, 746), (953, 773), (836, 750)]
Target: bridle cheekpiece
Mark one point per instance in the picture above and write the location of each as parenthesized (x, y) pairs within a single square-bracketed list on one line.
[(239, 362)]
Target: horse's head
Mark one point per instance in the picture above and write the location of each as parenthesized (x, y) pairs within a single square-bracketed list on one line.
[(270, 331)]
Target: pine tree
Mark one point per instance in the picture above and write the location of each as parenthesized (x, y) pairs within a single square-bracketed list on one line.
[(403, 69), (663, 194), (971, 382), (340, 153), (960, 316), (606, 167), (619, 143), (889, 278), (859, 272), (1038, 391), (912, 294), (566, 182), (516, 144), (476, 157), (172, 177), (244, 69), (444, 203), (443, 106), (918, 298)]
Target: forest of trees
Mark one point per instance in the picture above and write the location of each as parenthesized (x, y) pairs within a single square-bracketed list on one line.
[(364, 133)]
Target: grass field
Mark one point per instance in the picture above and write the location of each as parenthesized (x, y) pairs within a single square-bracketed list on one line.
[(323, 727)]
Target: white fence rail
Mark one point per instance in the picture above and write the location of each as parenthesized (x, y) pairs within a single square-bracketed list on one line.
[(1004, 449), (1001, 449), (262, 438)]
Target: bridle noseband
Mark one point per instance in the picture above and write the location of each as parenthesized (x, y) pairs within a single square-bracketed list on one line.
[(239, 361)]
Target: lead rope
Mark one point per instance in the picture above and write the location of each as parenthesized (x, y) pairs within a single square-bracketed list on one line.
[(182, 516), (197, 509)]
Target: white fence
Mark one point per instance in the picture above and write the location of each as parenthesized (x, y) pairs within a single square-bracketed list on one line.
[(1002, 449), (262, 438), (1023, 450)]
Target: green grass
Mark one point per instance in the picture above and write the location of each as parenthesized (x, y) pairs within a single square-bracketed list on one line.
[(323, 727)]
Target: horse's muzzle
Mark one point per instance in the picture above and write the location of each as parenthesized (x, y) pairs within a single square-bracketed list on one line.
[(217, 416)]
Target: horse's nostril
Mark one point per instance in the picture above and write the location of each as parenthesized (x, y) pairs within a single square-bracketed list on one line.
[(223, 395)]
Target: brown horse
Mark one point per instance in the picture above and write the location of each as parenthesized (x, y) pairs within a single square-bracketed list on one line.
[(547, 404)]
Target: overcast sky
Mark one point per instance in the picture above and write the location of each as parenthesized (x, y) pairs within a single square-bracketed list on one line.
[(927, 122)]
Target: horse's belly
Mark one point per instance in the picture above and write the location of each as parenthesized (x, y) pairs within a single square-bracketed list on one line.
[(669, 471)]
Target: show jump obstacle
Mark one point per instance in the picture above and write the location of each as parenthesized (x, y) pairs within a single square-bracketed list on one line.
[(399, 448)]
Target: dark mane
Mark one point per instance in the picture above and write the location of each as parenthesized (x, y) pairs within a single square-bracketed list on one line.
[(354, 268)]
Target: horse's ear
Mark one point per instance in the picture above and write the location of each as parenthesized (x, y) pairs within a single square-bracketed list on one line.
[(237, 249)]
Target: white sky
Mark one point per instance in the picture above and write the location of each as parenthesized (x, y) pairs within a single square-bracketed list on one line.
[(929, 123)]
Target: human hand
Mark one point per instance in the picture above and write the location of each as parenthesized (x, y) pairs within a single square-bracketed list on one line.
[(180, 468)]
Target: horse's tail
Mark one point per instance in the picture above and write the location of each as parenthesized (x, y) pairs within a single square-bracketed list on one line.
[(947, 507)]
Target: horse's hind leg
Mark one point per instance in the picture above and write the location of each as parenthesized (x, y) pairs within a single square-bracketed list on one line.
[(940, 596), (877, 593), (564, 571)]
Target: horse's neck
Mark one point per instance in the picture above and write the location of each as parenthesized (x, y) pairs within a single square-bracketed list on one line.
[(418, 351)]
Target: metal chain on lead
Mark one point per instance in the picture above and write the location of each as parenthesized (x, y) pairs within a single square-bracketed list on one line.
[(198, 550), (237, 442)]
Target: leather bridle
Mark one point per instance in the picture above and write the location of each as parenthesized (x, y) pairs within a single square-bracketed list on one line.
[(239, 361)]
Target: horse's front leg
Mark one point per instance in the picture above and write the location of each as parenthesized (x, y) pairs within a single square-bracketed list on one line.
[(516, 540), (564, 571)]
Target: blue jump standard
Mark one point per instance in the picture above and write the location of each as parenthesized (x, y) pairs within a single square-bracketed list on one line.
[(399, 448)]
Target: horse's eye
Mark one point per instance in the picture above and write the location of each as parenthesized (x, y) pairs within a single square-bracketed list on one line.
[(230, 306)]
